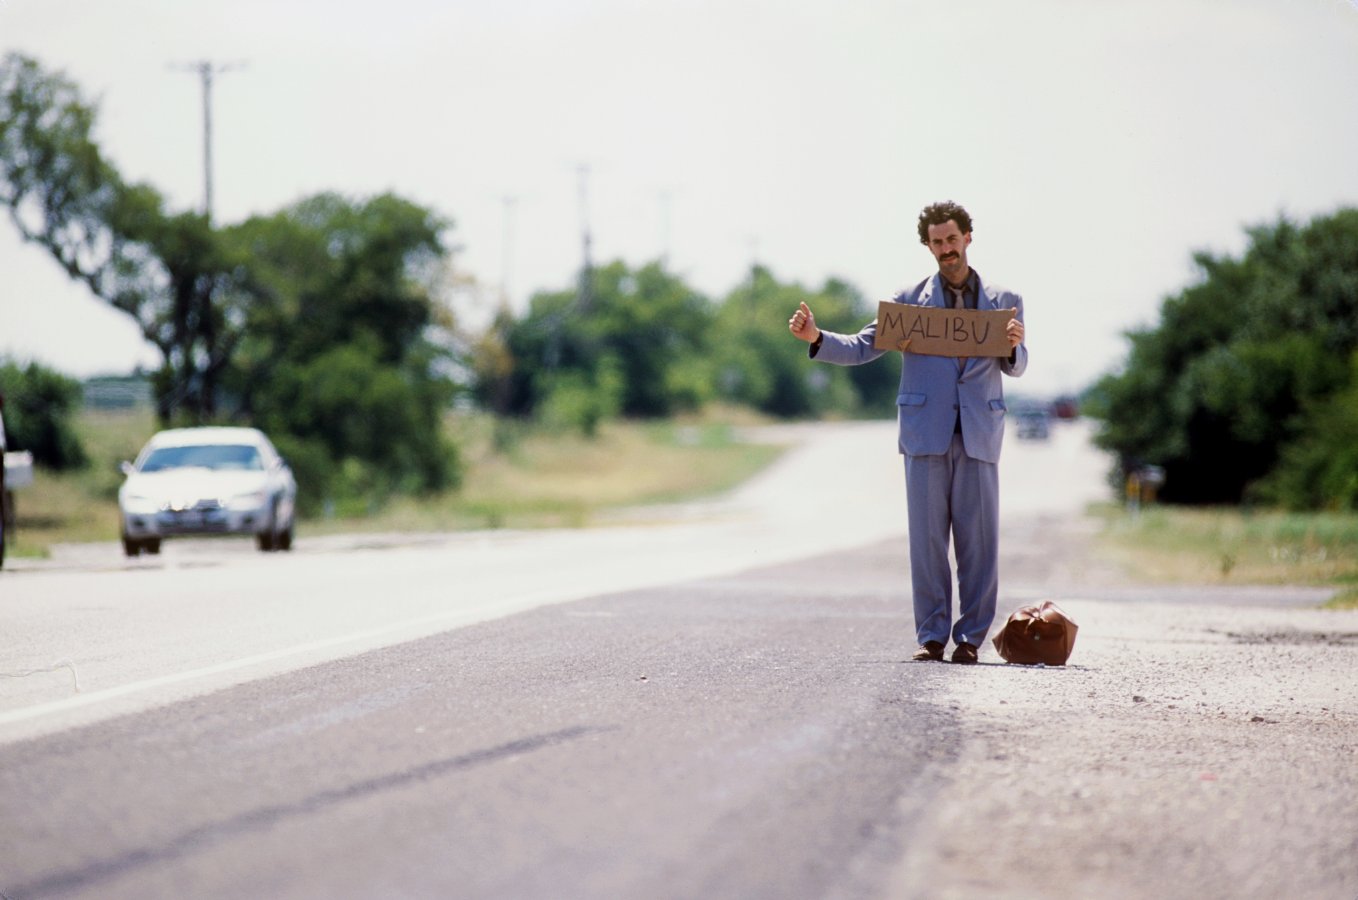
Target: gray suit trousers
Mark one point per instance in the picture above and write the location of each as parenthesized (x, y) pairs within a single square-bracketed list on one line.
[(937, 486)]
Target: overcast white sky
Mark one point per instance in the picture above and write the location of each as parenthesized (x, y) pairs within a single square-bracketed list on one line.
[(1097, 144)]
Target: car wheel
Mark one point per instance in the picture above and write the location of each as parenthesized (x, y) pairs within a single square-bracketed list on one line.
[(284, 539), (131, 547), (151, 546), (273, 538), (6, 511)]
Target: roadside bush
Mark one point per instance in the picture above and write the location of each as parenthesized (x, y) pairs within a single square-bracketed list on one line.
[(313, 468), (1320, 469), (574, 402), (358, 431), (39, 406), (1242, 391)]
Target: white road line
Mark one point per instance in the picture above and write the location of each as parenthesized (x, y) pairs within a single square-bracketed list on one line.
[(459, 617)]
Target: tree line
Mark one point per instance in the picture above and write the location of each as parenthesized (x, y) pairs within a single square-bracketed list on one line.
[(312, 323), (1247, 388), (325, 323)]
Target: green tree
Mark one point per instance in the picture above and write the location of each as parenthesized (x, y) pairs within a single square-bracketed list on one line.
[(757, 363), (636, 349), (648, 345), (1240, 364), (168, 272), (493, 366), (312, 323), (649, 326), (39, 407), (335, 354), (1319, 470)]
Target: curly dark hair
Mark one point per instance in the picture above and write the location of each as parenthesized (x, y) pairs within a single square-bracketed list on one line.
[(938, 213)]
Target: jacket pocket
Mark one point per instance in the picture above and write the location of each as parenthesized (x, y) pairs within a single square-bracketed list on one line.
[(909, 399), (997, 405)]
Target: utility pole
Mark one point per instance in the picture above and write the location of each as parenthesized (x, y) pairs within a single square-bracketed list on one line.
[(664, 229), (585, 291), (507, 246), (206, 69)]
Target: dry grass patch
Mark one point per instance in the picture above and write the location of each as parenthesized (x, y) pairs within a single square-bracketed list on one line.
[(70, 507), (1228, 545), (516, 476), (524, 476)]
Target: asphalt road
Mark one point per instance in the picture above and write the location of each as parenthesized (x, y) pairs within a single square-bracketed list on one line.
[(702, 702)]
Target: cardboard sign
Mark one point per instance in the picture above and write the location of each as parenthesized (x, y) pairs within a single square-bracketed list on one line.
[(935, 331)]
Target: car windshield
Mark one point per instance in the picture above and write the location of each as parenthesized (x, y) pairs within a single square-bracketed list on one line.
[(220, 457)]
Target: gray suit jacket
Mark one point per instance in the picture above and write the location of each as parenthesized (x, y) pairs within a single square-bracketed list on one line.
[(933, 392)]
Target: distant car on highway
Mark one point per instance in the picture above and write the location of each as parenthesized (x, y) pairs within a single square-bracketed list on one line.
[(1033, 425), (212, 480), (1066, 407)]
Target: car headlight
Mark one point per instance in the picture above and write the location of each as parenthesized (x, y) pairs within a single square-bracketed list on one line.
[(140, 504), (252, 500)]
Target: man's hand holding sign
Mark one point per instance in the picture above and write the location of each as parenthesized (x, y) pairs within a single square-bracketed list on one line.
[(933, 331)]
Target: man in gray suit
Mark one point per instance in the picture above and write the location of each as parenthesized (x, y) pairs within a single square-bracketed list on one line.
[(951, 414)]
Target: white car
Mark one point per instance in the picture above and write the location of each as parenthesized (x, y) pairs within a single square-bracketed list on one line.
[(4, 485), (16, 471), (195, 481)]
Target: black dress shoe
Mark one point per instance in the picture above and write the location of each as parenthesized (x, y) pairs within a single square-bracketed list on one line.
[(929, 651), (964, 653)]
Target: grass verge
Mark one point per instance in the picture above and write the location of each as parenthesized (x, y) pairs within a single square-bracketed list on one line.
[(520, 476), (62, 507), (1228, 545), (516, 476)]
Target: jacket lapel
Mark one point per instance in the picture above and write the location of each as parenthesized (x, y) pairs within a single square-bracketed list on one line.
[(985, 297), (933, 293)]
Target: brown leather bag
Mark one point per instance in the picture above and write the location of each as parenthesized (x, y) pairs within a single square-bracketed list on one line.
[(1037, 634)]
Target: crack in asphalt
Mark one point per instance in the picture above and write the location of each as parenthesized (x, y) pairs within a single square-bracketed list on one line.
[(268, 816)]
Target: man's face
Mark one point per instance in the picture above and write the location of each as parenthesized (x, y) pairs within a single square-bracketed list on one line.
[(949, 246)]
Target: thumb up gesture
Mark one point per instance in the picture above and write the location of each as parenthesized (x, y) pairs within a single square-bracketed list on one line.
[(803, 325)]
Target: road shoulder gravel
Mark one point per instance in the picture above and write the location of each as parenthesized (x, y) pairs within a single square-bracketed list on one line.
[(1203, 742)]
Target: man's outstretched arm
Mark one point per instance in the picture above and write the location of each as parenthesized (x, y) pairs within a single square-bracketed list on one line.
[(831, 347)]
